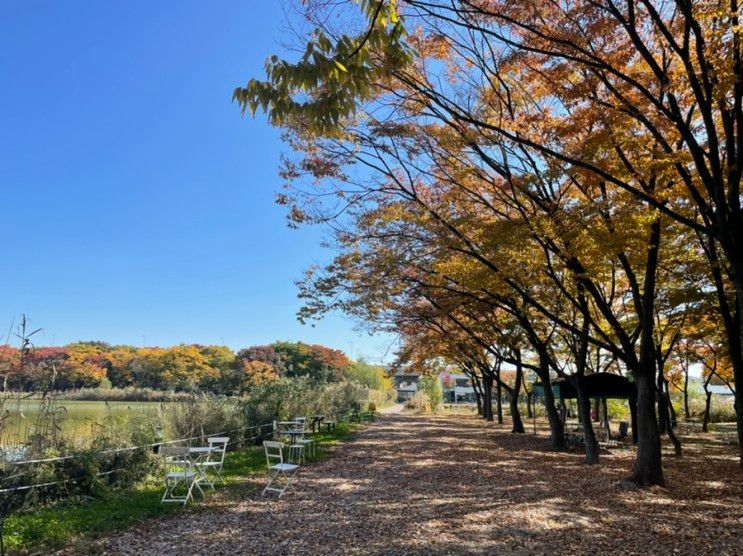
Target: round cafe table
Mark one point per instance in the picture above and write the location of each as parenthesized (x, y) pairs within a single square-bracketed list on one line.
[(198, 454)]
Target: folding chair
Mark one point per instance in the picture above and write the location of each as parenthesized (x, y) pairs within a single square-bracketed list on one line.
[(179, 475), (307, 444), (280, 473), (215, 460)]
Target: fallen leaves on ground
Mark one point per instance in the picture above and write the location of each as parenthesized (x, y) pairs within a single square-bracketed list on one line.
[(443, 485)]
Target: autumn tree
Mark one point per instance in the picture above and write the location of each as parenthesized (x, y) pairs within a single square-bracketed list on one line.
[(632, 102)]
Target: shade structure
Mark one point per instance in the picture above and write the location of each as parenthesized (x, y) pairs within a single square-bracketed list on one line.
[(598, 385)]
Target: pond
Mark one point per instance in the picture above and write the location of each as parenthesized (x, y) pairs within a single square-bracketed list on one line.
[(79, 421)]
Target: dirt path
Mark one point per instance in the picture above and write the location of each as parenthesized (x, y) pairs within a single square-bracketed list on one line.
[(447, 485)]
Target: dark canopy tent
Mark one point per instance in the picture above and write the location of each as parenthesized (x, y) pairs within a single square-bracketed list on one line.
[(598, 385), (601, 386)]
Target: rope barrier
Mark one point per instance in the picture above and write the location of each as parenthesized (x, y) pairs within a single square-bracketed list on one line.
[(131, 448), (342, 418), (104, 473)]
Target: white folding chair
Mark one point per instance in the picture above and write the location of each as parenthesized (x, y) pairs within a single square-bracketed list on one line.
[(307, 444), (281, 474), (215, 460), (179, 475)]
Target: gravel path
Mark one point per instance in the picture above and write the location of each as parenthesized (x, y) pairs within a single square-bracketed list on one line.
[(445, 485)]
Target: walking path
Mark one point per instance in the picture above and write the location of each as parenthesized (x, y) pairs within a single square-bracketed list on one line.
[(442, 485)]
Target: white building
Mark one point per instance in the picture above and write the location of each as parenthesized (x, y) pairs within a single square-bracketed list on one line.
[(406, 385), (457, 388)]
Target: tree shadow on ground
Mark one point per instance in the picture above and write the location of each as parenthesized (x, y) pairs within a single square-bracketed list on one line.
[(444, 485)]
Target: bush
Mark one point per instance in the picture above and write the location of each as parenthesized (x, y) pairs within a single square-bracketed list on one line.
[(202, 416), (287, 398), (382, 398), (419, 401), (90, 471), (431, 386), (722, 409)]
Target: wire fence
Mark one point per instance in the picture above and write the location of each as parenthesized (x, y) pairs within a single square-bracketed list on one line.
[(260, 434)]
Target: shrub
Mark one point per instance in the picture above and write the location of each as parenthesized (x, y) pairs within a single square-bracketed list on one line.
[(382, 398), (722, 410), (431, 386), (293, 397), (89, 471), (419, 401), (202, 416)]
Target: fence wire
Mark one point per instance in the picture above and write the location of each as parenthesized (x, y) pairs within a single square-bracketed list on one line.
[(260, 435)]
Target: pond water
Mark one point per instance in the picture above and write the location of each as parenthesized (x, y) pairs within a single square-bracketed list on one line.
[(79, 420)]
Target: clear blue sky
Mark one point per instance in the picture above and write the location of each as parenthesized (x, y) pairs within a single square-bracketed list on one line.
[(135, 199)]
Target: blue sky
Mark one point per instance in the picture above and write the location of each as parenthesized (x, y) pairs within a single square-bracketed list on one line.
[(137, 205)]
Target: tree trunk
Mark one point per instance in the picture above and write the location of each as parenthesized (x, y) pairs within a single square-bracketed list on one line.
[(687, 413), (732, 316), (671, 410), (737, 359), (665, 407), (478, 395), (589, 437), (487, 397), (529, 410), (707, 409), (499, 401), (604, 414), (648, 464), (557, 428), (517, 424), (662, 411)]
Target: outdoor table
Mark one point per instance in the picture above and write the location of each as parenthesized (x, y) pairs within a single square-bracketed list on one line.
[(197, 455), (294, 434), (317, 422), (289, 428)]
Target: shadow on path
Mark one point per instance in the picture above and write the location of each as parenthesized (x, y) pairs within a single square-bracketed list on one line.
[(442, 485)]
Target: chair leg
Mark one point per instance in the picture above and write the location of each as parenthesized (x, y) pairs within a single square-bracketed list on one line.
[(196, 482), (219, 475), (271, 479), (283, 481)]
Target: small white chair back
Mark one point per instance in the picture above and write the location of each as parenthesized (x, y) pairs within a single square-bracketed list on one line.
[(218, 444), (274, 452)]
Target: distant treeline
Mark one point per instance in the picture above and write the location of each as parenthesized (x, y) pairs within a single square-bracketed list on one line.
[(183, 367)]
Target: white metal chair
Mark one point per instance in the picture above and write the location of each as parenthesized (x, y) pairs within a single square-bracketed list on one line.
[(281, 474), (308, 444), (215, 460), (179, 475)]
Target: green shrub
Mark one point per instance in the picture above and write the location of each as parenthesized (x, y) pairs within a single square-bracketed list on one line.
[(722, 409), (431, 386), (293, 397), (89, 471), (202, 416), (382, 398)]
